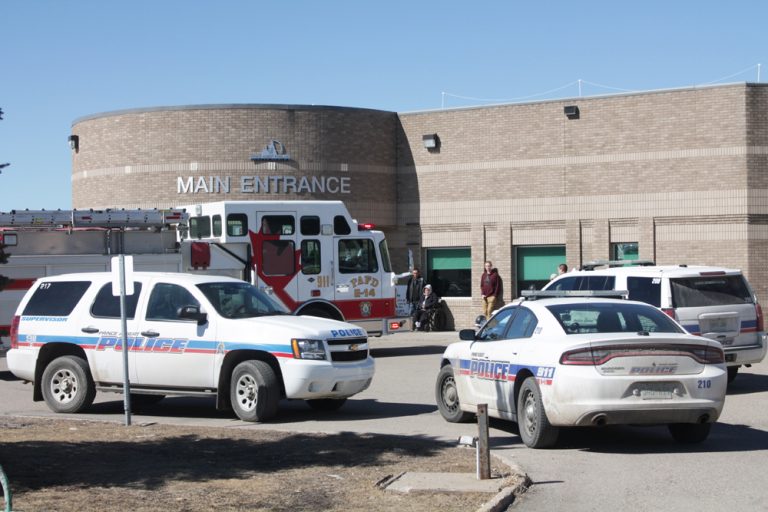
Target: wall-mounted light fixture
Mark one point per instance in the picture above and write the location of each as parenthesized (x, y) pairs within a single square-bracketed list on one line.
[(74, 143), (571, 111), (431, 141)]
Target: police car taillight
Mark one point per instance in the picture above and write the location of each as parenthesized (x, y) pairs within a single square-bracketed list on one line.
[(760, 321), (366, 226), (15, 332)]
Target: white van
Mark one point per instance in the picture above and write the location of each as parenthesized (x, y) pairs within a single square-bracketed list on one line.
[(713, 302)]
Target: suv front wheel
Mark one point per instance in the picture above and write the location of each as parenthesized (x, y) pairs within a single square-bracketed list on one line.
[(67, 385)]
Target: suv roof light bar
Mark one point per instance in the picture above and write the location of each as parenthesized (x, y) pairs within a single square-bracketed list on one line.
[(550, 294), (617, 263)]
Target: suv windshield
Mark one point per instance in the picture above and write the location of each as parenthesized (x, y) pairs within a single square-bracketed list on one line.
[(610, 317), (692, 292), (240, 300)]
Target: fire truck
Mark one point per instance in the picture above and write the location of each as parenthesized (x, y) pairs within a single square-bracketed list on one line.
[(310, 255)]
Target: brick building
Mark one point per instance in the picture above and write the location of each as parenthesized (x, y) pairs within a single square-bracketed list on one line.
[(677, 176)]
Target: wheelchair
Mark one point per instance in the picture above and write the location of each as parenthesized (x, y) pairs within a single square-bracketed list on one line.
[(436, 318)]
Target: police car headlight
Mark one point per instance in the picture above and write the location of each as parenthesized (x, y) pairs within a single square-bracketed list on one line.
[(308, 349)]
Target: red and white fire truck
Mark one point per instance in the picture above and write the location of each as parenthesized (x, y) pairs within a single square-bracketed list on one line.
[(311, 255)]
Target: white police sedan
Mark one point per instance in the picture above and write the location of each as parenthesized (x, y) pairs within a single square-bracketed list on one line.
[(560, 359)]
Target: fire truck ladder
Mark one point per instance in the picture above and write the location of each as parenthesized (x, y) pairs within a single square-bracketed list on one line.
[(115, 219)]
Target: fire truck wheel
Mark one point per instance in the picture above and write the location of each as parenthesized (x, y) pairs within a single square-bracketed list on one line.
[(326, 404), (321, 312), (254, 391), (67, 385)]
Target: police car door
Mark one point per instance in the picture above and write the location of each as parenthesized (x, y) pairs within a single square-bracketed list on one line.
[(358, 278), (492, 364), (177, 352), (277, 256)]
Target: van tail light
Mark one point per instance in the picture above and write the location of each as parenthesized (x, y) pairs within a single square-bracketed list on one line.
[(670, 312), (760, 321), (15, 332)]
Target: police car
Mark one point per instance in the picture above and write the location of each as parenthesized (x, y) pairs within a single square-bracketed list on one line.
[(186, 335), (561, 359)]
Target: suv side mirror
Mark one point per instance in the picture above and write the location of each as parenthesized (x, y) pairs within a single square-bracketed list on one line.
[(467, 335), (193, 313)]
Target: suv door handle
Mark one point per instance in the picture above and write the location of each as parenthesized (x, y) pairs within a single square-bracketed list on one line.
[(150, 334), (90, 330)]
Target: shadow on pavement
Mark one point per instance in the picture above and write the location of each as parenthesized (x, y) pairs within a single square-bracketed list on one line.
[(746, 383), (423, 350), (289, 412), (8, 376)]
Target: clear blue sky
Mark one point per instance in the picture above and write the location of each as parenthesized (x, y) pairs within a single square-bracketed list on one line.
[(66, 59)]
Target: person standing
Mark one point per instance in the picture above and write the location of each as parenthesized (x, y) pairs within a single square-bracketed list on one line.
[(490, 288), (413, 292)]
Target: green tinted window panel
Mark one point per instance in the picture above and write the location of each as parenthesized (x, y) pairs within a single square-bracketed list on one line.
[(539, 263), (449, 259)]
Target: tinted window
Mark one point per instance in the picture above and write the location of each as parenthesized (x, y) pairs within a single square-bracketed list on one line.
[(56, 299), (357, 256), (166, 300), (341, 226), (217, 225), (278, 224), (199, 227), (310, 256), (588, 282), (497, 325), (310, 226), (237, 224), (240, 300), (709, 291), (645, 289), (522, 325), (278, 257), (605, 317), (449, 271), (106, 305), (566, 283)]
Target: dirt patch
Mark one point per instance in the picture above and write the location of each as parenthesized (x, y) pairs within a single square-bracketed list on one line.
[(55, 464)]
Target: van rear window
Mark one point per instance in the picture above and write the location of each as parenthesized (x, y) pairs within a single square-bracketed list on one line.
[(692, 292), (57, 298)]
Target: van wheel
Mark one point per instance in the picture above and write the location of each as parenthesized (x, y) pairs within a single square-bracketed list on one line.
[(732, 372), (254, 391), (447, 397), (535, 430), (326, 404), (67, 385), (689, 433)]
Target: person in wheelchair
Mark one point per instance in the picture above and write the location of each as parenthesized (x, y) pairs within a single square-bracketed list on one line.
[(427, 306)]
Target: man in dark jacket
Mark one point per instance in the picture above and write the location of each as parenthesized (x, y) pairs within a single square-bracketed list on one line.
[(413, 292), (490, 288), (428, 302)]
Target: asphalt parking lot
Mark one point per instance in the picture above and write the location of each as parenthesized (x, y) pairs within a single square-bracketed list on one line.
[(618, 467)]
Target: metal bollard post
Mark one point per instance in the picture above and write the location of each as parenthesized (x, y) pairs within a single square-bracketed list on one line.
[(483, 451)]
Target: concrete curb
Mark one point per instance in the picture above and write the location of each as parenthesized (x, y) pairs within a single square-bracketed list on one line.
[(506, 496)]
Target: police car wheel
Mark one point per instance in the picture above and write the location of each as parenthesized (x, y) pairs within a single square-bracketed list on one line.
[(532, 421), (326, 404), (688, 433), (67, 385), (254, 391), (447, 397)]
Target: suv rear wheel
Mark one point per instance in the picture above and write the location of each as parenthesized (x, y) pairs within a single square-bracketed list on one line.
[(67, 385)]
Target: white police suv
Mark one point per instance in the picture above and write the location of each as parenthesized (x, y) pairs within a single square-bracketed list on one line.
[(583, 359), (186, 335), (713, 302)]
